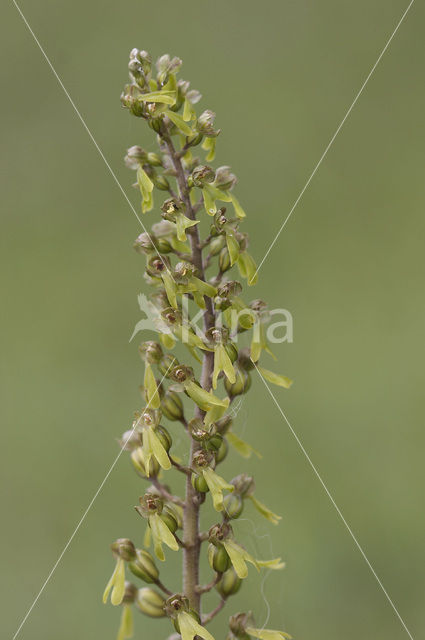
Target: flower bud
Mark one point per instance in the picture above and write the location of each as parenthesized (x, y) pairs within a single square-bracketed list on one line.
[(161, 182), (149, 504), (223, 425), (168, 518), (242, 384), (239, 622), (150, 602), (164, 437), (139, 465), (181, 373), (217, 335), (130, 593), (172, 406), (218, 558), (202, 174), (244, 485), (231, 351), (224, 178), (130, 440), (205, 123), (145, 60), (130, 101), (154, 159), (224, 260), (144, 243), (176, 511), (199, 483), (149, 417), (230, 289), (167, 363), (123, 548), (163, 246), (233, 505), (219, 532), (157, 265), (151, 351), (222, 451), (244, 359), (172, 317), (143, 566), (216, 245), (135, 156), (229, 583)]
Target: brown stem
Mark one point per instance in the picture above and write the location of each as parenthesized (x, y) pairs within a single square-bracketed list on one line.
[(204, 588), (163, 588), (165, 493), (192, 502), (206, 619)]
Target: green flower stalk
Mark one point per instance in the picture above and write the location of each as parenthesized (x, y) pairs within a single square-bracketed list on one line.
[(191, 265)]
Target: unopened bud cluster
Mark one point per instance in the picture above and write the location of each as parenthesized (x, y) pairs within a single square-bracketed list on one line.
[(189, 396)]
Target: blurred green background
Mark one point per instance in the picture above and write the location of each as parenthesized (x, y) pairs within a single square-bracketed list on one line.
[(349, 266)]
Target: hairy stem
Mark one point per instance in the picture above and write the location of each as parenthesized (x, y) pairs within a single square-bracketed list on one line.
[(192, 499)]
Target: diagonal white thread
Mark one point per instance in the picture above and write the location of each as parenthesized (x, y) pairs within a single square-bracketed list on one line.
[(83, 517), (322, 157), (83, 122), (261, 263), (347, 526)]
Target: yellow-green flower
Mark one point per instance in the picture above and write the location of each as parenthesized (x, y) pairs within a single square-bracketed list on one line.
[(265, 511), (153, 399), (240, 556), (267, 634), (152, 447), (190, 628), (222, 362), (116, 584), (146, 187), (161, 535), (216, 485), (126, 625)]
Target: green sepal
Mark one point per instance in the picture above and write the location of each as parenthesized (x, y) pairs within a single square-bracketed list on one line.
[(146, 187), (153, 398), (190, 628), (243, 448), (248, 268), (179, 122), (209, 202), (240, 213), (167, 340), (209, 145), (116, 583), (204, 399), (232, 246), (164, 97), (222, 362), (161, 535), (183, 223), (204, 287), (265, 511), (216, 412), (216, 485), (239, 557), (170, 288), (183, 247), (218, 194), (152, 446), (188, 111), (275, 378), (126, 629), (268, 634)]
